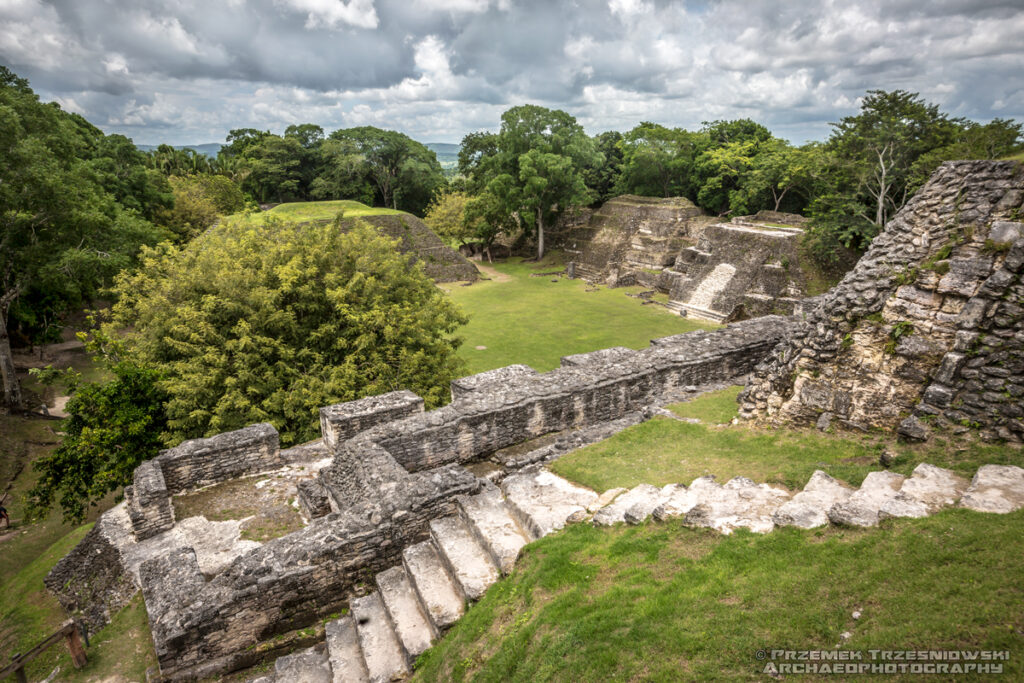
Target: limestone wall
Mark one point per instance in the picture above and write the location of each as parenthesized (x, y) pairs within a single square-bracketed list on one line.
[(91, 582), (200, 462), (926, 328), (738, 270), (644, 232)]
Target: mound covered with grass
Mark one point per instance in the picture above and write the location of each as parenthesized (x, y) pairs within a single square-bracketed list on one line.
[(441, 262)]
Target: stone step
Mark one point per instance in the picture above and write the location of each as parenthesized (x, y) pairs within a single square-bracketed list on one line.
[(928, 490), (861, 508), (308, 666), (809, 508), (542, 502), (692, 311), (995, 488), (346, 657), (384, 656), (739, 503), (435, 589), (633, 507), (465, 558), (414, 629), (494, 526), (679, 499)]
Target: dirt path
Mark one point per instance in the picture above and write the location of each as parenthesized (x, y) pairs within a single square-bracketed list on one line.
[(492, 273)]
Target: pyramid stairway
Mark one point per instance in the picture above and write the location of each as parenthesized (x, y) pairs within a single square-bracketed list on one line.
[(416, 601)]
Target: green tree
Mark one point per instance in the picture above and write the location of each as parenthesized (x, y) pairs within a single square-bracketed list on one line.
[(268, 322), (405, 173), (601, 177), (446, 216), (880, 145), (341, 172), (112, 427), (62, 235), (536, 168), (273, 169), (658, 161), (199, 200)]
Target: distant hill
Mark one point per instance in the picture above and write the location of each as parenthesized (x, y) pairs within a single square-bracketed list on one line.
[(447, 154), (210, 149)]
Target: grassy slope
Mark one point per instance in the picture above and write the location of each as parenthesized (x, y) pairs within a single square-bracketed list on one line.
[(664, 451), (663, 602), (535, 321), (311, 211)]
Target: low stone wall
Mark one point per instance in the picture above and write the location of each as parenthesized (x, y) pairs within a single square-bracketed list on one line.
[(149, 502), (201, 462), (499, 415), (91, 582), (201, 628), (341, 422)]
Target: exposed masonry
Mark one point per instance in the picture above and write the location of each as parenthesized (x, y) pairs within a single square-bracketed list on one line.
[(416, 600), (380, 496), (712, 270), (927, 326)]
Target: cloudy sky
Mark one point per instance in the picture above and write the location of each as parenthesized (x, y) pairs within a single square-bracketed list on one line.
[(187, 71)]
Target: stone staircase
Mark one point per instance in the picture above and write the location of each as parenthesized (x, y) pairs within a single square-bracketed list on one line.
[(416, 601)]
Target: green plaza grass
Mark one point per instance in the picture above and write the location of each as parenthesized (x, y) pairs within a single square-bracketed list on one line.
[(662, 602), (534, 321), (666, 451)]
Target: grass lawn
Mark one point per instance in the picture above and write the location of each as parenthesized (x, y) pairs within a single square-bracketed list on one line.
[(311, 211), (661, 602), (532, 320), (665, 451)]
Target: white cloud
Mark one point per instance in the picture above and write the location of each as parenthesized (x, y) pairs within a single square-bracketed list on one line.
[(333, 13)]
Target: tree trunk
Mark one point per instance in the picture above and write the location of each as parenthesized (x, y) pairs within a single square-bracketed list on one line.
[(540, 234), (11, 388)]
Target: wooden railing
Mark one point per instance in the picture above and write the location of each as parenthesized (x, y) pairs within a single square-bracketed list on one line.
[(68, 631)]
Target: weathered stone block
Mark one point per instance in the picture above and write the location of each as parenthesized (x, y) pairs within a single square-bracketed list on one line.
[(342, 421)]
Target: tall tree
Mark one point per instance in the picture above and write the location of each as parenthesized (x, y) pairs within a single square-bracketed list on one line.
[(62, 236), (405, 173), (267, 322), (536, 168), (881, 144), (658, 161)]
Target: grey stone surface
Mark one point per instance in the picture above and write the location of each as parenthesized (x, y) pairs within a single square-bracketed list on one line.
[(345, 655), (861, 508), (679, 499), (809, 508), (740, 503), (342, 421), (465, 558), (995, 488), (414, 630), (308, 666), (494, 527), (638, 503), (383, 654), (542, 502), (436, 589), (932, 283), (200, 462), (925, 492)]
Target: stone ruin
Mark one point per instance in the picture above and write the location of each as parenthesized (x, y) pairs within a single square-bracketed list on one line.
[(712, 270), (408, 514), (378, 491), (926, 329)]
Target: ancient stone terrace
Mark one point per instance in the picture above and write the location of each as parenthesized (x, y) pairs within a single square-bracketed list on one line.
[(375, 486)]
